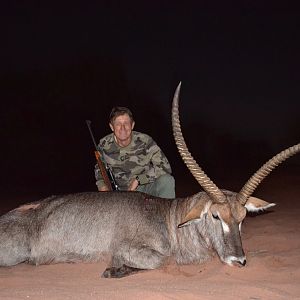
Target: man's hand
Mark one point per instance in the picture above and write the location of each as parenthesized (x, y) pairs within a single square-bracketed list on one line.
[(133, 185), (103, 188)]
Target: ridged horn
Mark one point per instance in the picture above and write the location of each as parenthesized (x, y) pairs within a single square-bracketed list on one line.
[(207, 184), (264, 171)]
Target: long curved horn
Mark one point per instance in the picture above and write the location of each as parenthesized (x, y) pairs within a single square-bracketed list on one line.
[(264, 171), (189, 161)]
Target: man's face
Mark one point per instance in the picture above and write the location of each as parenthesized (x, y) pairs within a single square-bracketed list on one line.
[(122, 127)]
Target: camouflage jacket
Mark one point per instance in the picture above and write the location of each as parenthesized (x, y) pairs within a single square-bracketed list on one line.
[(142, 158)]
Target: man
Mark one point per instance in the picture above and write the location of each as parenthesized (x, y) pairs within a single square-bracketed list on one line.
[(137, 162)]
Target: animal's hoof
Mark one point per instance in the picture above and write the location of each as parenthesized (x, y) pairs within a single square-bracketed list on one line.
[(114, 272), (107, 273)]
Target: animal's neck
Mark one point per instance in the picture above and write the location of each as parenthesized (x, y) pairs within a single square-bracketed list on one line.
[(188, 245)]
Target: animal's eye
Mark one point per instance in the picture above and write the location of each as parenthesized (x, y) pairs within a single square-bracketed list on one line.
[(215, 216)]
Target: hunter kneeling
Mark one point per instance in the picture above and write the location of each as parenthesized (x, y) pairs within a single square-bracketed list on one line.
[(136, 161)]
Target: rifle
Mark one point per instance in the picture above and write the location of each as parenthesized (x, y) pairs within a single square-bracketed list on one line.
[(105, 170)]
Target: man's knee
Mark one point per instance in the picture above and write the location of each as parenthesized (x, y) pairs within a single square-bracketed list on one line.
[(165, 186), (166, 179)]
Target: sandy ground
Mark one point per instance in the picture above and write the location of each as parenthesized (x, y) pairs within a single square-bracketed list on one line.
[(271, 242)]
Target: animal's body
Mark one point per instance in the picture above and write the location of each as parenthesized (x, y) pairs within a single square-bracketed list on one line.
[(135, 229)]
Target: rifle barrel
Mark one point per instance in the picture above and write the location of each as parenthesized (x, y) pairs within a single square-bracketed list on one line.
[(88, 123)]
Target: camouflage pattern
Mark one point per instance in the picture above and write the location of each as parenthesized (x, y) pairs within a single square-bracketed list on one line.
[(142, 158)]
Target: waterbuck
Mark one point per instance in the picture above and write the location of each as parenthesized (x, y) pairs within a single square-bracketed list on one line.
[(137, 231)]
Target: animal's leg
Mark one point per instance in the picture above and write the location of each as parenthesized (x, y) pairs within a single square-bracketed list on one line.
[(12, 255), (132, 259), (14, 244), (13, 248)]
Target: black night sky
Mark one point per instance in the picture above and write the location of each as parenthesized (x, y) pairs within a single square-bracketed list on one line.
[(64, 63)]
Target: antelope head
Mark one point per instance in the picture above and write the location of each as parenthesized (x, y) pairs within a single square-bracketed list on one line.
[(219, 214)]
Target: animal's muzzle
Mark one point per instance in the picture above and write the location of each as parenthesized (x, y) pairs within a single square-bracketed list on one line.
[(240, 263), (236, 261)]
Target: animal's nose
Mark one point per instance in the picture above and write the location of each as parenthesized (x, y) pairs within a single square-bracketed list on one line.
[(242, 262), (239, 262)]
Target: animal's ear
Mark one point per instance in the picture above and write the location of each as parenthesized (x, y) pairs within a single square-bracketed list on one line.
[(254, 204), (194, 214)]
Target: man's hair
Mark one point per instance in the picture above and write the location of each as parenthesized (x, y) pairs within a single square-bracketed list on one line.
[(119, 111)]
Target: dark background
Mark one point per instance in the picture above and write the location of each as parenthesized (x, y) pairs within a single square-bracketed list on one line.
[(64, 63)]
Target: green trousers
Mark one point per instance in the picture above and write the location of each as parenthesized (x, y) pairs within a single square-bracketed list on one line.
[(163, 186)]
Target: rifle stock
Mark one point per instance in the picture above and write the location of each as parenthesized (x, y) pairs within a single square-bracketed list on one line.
[(103, 170)]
